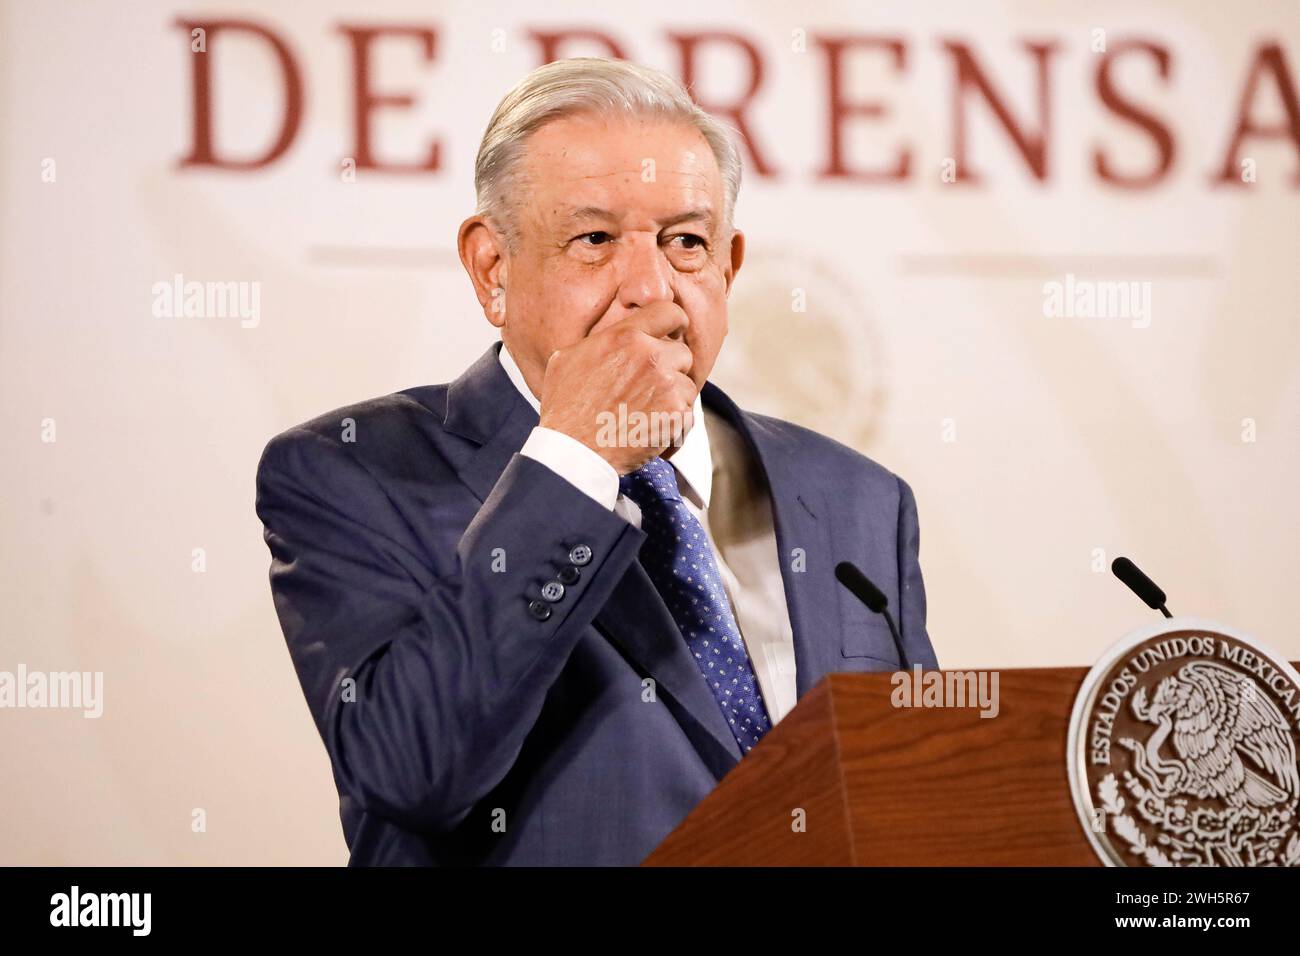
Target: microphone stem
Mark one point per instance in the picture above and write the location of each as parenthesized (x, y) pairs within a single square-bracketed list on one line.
[(898, 641)]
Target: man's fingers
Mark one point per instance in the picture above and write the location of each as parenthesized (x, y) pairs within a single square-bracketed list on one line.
[(658, 322), (675, 355), (686, 388)]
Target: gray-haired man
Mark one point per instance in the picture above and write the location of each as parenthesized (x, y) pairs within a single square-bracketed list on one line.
[(540, 611)]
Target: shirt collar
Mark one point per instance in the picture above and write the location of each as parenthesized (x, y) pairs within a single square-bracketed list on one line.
[(693, 459)]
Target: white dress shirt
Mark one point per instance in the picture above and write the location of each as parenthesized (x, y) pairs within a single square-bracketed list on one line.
[(730, 500)]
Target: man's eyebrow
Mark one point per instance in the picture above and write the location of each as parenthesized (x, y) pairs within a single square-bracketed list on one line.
[(700, 214), (587, 212)]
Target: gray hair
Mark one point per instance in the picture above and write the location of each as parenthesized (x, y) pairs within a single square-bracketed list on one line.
[(596, 85)]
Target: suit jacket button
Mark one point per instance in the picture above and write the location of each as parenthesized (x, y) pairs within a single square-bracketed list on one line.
[(580, 555), (539, 610), (568, 575), (552, 591)]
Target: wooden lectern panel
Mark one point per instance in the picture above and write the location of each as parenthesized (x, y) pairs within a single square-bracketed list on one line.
[(892, 786), (880, 785)]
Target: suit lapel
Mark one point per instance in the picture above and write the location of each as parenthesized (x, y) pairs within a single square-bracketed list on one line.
[(484, 406), (799, 513), (638, 622)]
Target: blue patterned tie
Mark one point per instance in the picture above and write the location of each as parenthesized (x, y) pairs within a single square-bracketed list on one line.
[(680, 562)]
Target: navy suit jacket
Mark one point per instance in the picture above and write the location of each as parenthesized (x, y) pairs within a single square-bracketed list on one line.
[(408, 538)]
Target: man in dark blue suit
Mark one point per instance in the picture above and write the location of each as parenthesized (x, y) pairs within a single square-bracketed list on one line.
[(539, 612)]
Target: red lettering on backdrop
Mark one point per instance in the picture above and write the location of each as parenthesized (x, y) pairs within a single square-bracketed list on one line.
[(1268, 59), (202, 151), (1032, 144), (969, 81), (840, 109), (1157, 130), (687, 44), (365, 101)]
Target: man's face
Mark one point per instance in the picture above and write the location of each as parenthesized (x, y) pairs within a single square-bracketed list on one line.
[(613, 214)]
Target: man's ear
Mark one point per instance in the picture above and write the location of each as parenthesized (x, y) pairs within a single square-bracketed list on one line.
[(735, 258), (482, 253)]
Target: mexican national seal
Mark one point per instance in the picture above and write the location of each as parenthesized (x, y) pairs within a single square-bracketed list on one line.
[(1183, 750)]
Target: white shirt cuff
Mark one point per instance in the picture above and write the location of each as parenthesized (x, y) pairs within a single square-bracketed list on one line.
[(575, 463)]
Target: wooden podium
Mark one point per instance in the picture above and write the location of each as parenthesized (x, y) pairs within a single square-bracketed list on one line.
[(892, 786)]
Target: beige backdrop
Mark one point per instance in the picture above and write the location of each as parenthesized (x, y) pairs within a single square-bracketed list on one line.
[(1039, 448)]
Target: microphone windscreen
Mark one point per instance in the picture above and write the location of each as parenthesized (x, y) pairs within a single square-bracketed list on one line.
[(857, 582), (1138, 583)]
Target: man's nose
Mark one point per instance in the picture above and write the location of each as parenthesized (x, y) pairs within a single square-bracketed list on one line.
[(647, 275)]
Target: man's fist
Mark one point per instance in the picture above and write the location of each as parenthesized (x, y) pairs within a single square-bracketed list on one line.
[(641, 363)]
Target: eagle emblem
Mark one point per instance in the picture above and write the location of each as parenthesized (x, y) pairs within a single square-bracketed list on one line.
[(1183, 751), (1230, 741)]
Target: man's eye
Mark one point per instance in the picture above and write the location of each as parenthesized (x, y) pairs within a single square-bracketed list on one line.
[(588, 235), (691, 235)]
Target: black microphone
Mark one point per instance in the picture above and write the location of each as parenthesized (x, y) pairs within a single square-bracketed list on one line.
[(870, 595), (1140, 584)]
